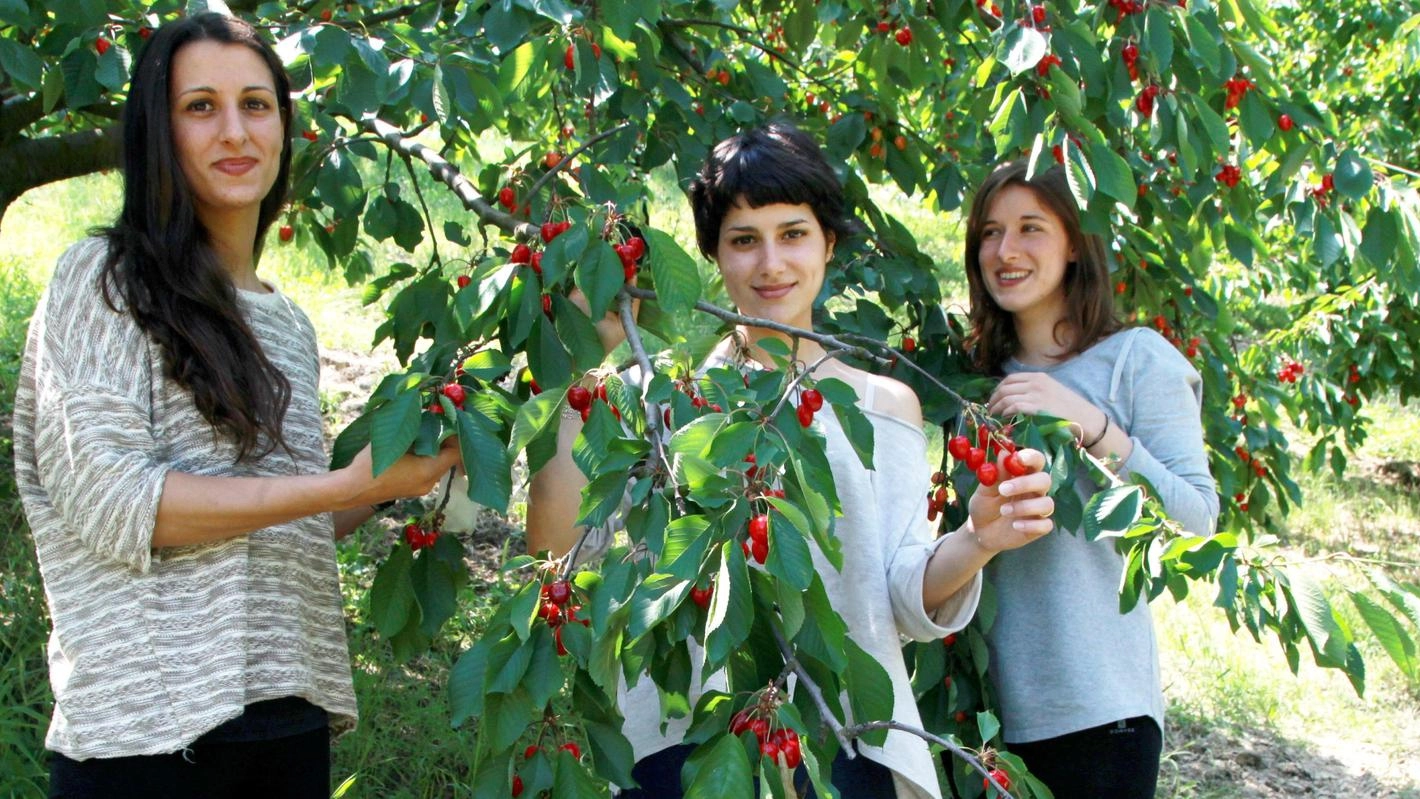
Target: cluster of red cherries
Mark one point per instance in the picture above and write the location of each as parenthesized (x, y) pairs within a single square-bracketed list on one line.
[(558, 609), (420, 535), (810, 403), (580, 399), (781, 745)]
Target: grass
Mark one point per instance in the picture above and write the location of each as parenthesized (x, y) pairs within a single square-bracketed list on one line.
[(1215, 679)]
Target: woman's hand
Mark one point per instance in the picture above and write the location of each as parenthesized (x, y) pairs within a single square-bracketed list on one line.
[(1030, 393), (1017, 510), (410, 476)]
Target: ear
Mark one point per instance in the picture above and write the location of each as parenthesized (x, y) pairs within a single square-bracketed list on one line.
[(832, 239)]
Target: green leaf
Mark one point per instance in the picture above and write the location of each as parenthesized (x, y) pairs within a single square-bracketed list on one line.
[(789, 557), (535, 417), (507, 663), (727, 620), (869, 691), (392, 599), (1113, 511), (722, 771), (612, 756), (676, 277), (987, 724), (1314, 613), (486, 460), (1389, 632), (823, 634), (1113, 174), (1022, 49), (1353, 175), (393, 429)]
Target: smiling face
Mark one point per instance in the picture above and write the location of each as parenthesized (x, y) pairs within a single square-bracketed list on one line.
[(1023, 257), (226, 127), (773, 260)]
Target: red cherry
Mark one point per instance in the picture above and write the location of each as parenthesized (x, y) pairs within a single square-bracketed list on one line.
[(1015, 467), (975, 458), (455, 393), (569, 58), (1037, 14), (310, 135), (286, 233), (507, 198), (579, 398), (813, 399), (806, 414), (759, 549), (145, 32), (701, 596), (517, 785), (536, 263), (325, 15), (560, 592), (1000, 777), (939, 478), (463, 281), (883, 27), (909, 343), (959, 447), (988, 474), (102, 45), (522, 254), (792, 754), (950, 640), (904, 36), (547, 305), (549, 231), (769, 750), (552, 159), (573, 748), (759, 527), (960, 716)]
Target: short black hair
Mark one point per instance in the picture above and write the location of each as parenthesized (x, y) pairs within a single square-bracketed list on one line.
[(775, 163)]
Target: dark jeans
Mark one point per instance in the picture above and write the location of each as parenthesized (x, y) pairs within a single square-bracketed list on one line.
[(1119, 760), (293, 767), (859, 778)]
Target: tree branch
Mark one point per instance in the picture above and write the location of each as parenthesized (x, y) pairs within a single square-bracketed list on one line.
[(638, 349), (29, 163), (450, 176)]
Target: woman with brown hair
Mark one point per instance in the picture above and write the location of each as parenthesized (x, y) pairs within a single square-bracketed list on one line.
[(1078, 682), (169, 453)]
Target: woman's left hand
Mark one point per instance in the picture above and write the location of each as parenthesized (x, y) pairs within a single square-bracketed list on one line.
[(1030, 393)]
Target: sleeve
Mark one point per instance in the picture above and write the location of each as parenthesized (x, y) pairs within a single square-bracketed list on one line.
[(903, 480), (95, 452), (1166, 427)]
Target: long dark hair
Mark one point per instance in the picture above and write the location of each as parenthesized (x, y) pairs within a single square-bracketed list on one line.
[(776, 163), (161, 262), (1089, 304)]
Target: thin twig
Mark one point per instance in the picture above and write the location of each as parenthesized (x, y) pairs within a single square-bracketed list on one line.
[(550, 173), (815, 693), (638, 348), (869, 726)]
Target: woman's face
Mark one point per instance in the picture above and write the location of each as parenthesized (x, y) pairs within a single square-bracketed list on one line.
[(1023, 256), (772, 259), (227, 128)]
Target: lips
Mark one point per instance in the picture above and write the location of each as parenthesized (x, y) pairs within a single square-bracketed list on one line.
[(774, 292), (1010, 277), (235, 166)]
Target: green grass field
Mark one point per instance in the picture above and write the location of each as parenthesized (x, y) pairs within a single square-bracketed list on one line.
[(1219, 683)]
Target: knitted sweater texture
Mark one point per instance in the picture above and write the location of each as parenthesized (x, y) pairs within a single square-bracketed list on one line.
[(153, 647)]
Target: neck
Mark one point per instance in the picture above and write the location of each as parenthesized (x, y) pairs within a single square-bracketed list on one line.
[(233, 240), (1036, 335)]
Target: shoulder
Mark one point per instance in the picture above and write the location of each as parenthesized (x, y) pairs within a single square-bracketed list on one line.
[(75, 293), (894, 398)]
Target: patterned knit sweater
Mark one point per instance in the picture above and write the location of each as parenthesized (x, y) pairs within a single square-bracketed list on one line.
[(153, 647)]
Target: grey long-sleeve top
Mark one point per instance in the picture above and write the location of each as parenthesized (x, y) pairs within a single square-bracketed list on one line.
[(1063, 658)]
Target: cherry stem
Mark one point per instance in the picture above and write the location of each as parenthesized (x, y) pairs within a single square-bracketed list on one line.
[(960, 753), (552, 172)]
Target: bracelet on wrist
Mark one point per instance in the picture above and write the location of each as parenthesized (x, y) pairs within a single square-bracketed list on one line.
[(1100, 437)]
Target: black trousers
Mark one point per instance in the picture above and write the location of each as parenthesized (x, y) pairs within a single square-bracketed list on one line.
[(1119, 760), (859, 778), (293, 767)]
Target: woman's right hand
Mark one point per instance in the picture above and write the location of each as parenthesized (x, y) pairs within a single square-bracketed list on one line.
[(1015, 511), (410, 476)]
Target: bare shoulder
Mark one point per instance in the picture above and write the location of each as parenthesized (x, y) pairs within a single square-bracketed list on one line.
[(894, 398)]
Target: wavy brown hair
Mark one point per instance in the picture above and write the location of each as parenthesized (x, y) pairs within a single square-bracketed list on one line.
[(160, 261), (1089, 303)]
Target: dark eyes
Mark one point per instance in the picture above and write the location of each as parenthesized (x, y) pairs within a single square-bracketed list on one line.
[(249, 103)]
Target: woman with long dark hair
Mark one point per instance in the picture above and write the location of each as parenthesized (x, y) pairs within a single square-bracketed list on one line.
[(1078, 682), (170, 457), (769, 211)]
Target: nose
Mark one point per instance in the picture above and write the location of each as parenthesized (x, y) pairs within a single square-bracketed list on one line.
[(1007, 246), (772, 258), (234, 130)]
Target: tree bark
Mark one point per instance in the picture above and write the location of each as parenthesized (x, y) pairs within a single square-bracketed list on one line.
[(28, 163)]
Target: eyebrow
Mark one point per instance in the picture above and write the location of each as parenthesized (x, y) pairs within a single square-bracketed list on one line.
[(781, 226), (1041, 217), (245, 89)]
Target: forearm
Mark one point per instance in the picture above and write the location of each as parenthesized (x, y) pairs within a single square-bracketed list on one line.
[(198, 509), (952, 566), (347, 520), (555, 497)]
